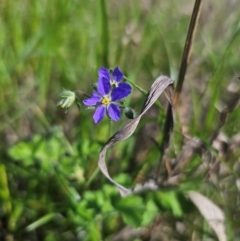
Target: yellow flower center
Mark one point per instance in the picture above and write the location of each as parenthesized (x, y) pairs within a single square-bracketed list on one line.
[(106, 100)]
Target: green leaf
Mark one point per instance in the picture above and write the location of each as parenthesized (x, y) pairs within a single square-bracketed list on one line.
[(150, 213), (21, 151), (131, 208), (40, 221), (94, 233), (169, 200)]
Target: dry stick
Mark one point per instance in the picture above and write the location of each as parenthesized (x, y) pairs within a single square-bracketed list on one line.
[(168, 126), (187, 49)]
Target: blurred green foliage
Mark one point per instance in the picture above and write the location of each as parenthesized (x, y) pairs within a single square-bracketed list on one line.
[(50, 187)]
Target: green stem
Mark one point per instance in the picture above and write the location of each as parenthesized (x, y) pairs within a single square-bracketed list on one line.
[(92, 177), (6, 205), (104, 34), (96, 171), (110, 128), (136, 86), (144, 92)]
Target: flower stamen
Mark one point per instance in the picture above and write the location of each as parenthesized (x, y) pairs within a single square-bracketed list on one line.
[(106, 100), (114, 84)]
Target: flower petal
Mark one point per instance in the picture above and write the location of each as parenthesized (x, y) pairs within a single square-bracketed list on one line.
[(120, 93), (99, 114), (104, 86), (127, 87), (114, 112), (117, 74), (103, 72), (95, 99)]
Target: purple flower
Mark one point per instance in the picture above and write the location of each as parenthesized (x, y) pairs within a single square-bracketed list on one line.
[(115, 78), (106, 97)]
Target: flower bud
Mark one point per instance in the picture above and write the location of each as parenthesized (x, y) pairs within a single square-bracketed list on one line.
[(129, 113), (67, 98)]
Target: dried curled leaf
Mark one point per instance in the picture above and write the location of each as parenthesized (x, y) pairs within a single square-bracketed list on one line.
[(159, 85), (211, 212)]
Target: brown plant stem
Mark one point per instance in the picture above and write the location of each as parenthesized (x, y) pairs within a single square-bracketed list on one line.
[(168, 126), (187, 50)]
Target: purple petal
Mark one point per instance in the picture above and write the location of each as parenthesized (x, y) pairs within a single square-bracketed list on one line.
[(99, 114), (119, 93), (95, 99), (103, 72), (104, 86), (117, 74), (114, 112), (127, 87)]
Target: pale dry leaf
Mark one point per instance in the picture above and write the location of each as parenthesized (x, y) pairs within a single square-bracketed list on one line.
[(211, 213), (157, 88)]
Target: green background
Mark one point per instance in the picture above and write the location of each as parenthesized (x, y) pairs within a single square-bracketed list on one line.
[(49, 186)]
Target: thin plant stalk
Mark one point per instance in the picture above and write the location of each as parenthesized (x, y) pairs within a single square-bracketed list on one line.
[(168, 126), (187, 49), (136, 86), (96, 171), (104, 47)]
